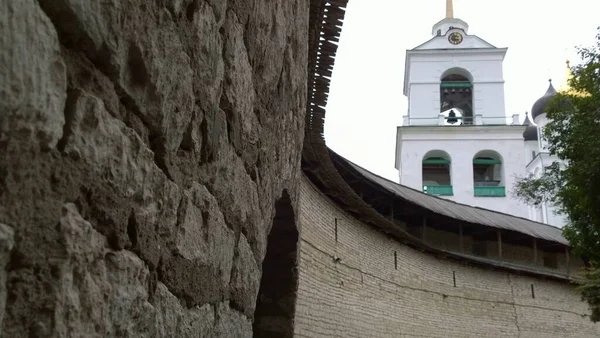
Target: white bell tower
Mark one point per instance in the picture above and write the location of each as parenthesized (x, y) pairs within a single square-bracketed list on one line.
[(453, 61), (456, 141)]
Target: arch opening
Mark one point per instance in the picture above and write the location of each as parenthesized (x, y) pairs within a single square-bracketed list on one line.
[(456, 97), (436, 176), (488, 174), (276, 302)]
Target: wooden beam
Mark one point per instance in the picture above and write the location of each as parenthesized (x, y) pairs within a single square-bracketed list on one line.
[(534, 251), (392, 211), (499, 244), (460, 238), (485, 231), (568, 259), (402, 211), (424, 229)]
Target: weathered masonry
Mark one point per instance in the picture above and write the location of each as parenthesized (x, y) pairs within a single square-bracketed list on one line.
[(149, 162), (163, 173), (357, 281)]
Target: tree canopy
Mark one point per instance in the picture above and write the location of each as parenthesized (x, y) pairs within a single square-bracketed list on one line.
[(573, 136)]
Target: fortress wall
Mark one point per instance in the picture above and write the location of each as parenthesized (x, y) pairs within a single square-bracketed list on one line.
[(365, 295), (143, 147)]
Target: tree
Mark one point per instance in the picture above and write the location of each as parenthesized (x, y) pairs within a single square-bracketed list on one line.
[(573, 135)]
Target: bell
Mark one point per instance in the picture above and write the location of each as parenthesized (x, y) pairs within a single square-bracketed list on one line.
[(452, 117)]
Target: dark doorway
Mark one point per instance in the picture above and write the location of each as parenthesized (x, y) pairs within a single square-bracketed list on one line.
[(274, 314)]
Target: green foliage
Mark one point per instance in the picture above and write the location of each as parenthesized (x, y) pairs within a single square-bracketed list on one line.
[(590, 291), (573, 135), (542, 189)]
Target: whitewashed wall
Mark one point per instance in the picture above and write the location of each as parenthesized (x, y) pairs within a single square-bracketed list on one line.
[(462, 144), (424, 73)]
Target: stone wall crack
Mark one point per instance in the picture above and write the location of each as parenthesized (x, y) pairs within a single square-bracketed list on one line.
[(512, 292), (70, 103)]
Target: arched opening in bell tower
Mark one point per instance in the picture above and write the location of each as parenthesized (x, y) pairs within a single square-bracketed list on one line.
[(436, 176), (488, 175), (456, 97)]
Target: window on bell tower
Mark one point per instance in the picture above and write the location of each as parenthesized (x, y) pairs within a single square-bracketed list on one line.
[(488, 175), (436, 173), (456, 98)]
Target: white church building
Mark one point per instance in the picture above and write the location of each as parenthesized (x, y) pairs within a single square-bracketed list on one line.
[(456, 141)]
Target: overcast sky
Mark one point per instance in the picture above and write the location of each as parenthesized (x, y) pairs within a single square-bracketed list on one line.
[(366, 102)]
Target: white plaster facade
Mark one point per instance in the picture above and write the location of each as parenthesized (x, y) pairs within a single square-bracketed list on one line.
[(538, 158), (545, 213), (426, 67), (462, 144)]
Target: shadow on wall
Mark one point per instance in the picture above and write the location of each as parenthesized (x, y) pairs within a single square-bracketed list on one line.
[(274, 314)]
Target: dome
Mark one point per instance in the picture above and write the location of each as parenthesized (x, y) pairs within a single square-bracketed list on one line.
[(539, 107), (531, 132)]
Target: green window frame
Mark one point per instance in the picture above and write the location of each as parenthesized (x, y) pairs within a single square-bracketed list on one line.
[(486, 161), (456, 84), (436, 161)]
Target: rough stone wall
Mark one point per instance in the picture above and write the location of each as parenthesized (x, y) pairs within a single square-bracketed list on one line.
[(143, 145), (352, 288)]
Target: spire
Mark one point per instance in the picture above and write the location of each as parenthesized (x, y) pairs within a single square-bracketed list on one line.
[(449, 10), (551, 91), (568, 75), (449, 22), (526, 122)]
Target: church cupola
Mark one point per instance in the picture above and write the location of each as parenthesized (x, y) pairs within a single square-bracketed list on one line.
[(449, 22), (531, 132), (538, 113), (539, 107)]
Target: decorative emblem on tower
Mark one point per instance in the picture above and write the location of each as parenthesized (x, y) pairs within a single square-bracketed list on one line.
[(455, 38)]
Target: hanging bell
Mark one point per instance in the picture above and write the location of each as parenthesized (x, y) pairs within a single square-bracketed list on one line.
[(452, 117)]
